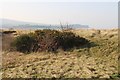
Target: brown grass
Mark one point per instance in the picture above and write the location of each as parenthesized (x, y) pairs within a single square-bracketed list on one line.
[(99, 61)]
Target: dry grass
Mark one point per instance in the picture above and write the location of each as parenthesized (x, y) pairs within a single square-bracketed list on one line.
[(95, 61)]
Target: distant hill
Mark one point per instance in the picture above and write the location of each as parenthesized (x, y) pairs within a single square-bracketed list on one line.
[(7, 24)]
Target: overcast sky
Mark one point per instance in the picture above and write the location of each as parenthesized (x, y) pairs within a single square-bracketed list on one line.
[(101, 14)]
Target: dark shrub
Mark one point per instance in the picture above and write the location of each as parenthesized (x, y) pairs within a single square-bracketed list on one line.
[(48, 40), (51, 40), (69, 40), (24, 43), (8, 32)]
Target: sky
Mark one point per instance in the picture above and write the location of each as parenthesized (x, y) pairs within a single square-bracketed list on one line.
[(95, 13)]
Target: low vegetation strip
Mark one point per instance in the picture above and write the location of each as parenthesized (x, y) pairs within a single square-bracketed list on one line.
[(48, 40)]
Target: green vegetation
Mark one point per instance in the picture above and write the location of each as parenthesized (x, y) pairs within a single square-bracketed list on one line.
[(115, 76), (24, 43), (48, 40)]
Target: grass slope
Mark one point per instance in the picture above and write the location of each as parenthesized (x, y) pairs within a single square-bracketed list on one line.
[(97, 60)]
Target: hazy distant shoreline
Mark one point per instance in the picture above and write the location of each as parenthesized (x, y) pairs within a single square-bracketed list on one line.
[(9, 24)]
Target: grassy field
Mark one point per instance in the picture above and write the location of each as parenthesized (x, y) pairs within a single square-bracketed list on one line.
[(99, 59)]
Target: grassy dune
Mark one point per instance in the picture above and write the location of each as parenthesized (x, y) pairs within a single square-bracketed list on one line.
[(97, 60)]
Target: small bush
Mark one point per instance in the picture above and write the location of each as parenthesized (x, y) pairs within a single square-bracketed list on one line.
[(69, 40), (51, 40), (24, 43), (48, 40)]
